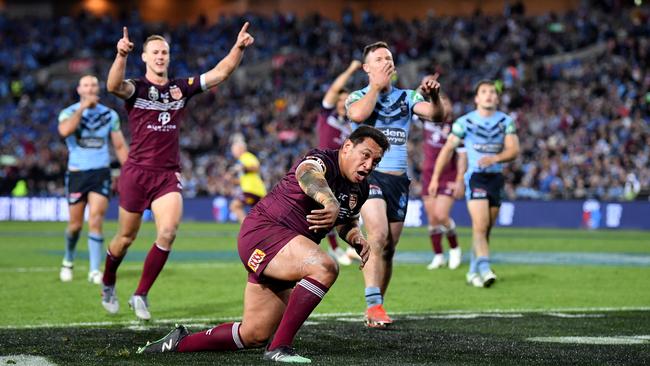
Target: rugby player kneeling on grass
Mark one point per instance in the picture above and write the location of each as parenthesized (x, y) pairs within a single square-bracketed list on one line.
[(288, 274)]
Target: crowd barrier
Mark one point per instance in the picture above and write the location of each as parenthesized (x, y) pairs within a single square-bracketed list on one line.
[(590, 214)]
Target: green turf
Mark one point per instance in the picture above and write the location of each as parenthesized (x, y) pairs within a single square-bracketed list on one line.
[(203, 283)]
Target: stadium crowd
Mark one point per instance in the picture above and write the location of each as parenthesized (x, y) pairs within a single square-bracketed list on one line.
[(577, 85)]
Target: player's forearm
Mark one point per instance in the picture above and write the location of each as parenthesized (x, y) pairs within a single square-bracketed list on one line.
[(314, 184), (461, 166), (122, 154), (437, 110), (441, 162), (351, 233), (360, 110), (116, 75), (342, 79), (509, 153), (70, 124), (224, 68)]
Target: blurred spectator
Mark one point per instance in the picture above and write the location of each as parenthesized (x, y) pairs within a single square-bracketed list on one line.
[(578, 85)]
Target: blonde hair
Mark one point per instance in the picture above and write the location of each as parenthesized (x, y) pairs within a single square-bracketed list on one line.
[(153, 37)]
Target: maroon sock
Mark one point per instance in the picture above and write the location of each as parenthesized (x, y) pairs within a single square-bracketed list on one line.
[(452, 239), (436, 239), (223, 337), (331, 237), (153, 264), (304, 298), (110, 269)]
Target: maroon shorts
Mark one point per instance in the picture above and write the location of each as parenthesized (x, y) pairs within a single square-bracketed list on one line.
[(445, 184), (248, 199), (139, 187), (260, 239)]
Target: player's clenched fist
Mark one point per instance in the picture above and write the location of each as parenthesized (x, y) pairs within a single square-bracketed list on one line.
[(244, 39), (124, 46)]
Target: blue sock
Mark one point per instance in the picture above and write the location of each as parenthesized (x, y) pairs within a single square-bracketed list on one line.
[(95, 250), (70, 246), (373, 296), (472, 262), (483, 264)]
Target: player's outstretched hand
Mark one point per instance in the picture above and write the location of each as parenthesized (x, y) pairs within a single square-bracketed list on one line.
[(325, 217), (244, 39), (124, 45), (430, 86)]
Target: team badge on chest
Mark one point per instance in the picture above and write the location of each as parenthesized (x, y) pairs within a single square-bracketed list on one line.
[(175, 92), (353, 201), (153, 93)]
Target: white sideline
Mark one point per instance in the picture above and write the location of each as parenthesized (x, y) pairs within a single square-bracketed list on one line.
[(462, 314)]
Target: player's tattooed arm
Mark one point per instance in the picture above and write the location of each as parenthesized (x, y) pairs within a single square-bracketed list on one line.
[(311, 178), (351, 233)]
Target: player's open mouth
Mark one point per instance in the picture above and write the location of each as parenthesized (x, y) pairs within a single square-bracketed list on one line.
[(362, 173)]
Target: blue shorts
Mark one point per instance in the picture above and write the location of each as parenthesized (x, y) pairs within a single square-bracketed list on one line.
[(394, 189), (79, 183), (485, 186)]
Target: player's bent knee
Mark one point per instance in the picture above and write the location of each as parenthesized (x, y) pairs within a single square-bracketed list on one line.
[(254, 338), (74, 228), (325, 272), (166, 236)]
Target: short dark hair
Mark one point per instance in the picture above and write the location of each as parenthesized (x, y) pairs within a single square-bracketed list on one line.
[(483, 82), (373, 46), (364, 131)]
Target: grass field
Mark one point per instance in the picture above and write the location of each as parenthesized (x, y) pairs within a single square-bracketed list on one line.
[(589, 285)]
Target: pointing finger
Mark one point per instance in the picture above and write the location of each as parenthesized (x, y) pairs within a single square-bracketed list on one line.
[(125, 33), (244, 28), (435, 76)]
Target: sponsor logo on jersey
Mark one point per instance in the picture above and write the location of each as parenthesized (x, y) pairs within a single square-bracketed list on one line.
[(404, 108), (153, 93), (396, 136), (255, 259), (91, 142), (164, 118), (353, 201), (488, 148), (190, 81), (175, 92)]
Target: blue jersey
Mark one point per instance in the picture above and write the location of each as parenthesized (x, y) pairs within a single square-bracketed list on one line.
[(88, 144), (483, 136), (392, 116)]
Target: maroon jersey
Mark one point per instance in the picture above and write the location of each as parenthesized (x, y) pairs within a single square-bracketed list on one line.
[(155, 116), (332, 130), (288, 205), (435, 136)]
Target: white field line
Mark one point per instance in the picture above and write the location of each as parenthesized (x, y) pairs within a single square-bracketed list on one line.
[(25, 360), (129, 266), (446, 314)]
